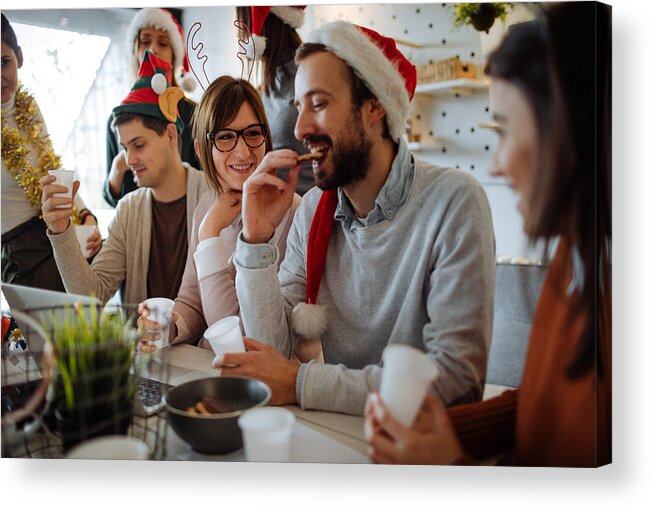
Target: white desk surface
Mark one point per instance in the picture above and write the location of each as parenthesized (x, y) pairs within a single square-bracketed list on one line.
[(188, 363)]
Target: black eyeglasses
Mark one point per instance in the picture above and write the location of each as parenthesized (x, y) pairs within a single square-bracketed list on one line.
[(226, 139)]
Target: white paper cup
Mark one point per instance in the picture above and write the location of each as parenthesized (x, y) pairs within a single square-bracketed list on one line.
[(267, 432), (225, 336), (84, 232), (64, 178), (160, 311), (406, 376), (110, 447)]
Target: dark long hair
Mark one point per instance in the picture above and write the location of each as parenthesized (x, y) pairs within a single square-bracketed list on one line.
[(562, 64), (282, 41), (8, 34)]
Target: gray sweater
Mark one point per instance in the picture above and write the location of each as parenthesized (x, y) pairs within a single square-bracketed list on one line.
[(125, 253), (421, 272)]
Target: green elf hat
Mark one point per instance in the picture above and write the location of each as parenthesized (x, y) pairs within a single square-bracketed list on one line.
[(152, 93)]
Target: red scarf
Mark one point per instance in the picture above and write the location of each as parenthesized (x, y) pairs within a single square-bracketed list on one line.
[(318, 241)]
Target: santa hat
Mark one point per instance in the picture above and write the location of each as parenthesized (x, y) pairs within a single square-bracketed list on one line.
[(309, 318), (162, 19), (292, 15), (376, 61), (152, 93)]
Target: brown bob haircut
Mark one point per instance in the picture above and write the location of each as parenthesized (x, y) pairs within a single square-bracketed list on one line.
[(219, 105)]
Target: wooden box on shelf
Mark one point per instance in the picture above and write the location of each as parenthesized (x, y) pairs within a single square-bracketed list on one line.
[(445, 70)]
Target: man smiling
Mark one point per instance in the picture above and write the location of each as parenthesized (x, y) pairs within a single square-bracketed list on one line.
[(386, 250), (147, 245)]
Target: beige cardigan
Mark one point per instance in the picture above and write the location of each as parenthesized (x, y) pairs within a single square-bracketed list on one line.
[(125, 253)]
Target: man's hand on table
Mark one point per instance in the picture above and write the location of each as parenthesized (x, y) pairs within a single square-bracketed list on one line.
[(266, 364)]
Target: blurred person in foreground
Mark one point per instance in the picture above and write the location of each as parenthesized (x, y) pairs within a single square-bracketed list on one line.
[(551, 100)]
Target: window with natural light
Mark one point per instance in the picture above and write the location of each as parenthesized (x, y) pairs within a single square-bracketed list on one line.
[(51, 59), (76, 79)]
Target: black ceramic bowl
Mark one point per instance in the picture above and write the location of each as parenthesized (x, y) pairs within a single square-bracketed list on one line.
[(214, 433)]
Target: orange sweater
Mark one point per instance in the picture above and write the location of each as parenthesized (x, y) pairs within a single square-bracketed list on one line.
[(549, 420)]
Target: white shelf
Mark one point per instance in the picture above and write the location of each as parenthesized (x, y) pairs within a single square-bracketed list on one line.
[(452, 86), (432, 144), (488, 126)]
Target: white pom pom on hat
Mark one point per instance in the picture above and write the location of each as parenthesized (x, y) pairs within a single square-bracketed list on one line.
[(309, 320), (158, 83), (292, 15)]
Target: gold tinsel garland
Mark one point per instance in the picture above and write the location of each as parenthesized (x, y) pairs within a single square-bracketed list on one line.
[(16, 144)]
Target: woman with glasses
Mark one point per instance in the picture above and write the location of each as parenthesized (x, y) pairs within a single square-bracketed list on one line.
[(550, 98), (231, 137)]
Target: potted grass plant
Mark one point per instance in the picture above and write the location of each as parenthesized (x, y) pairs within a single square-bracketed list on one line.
[(481, 16), (94, 388)]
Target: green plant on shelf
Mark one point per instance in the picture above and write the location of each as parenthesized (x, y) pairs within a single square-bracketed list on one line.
[(480, 15)]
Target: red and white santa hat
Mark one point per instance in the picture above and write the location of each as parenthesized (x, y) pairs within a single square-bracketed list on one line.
[(376, 61), (292, 15), (392, 79), (162, 19)]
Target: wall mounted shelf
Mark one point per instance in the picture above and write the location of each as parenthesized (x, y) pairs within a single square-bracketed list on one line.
[(463, 86), (432, 144), (488, 126)]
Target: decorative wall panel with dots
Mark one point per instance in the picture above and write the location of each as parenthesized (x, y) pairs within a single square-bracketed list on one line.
[(451, 118)]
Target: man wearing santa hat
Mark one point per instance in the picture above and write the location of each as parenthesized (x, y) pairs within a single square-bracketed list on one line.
[(387, 249), (148, 239)]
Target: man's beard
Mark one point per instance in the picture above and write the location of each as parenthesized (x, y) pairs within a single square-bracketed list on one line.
[(350, 159)]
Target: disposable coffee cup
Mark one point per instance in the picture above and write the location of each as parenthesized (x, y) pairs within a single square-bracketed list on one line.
[(160, 311), (267, 432), (407, 374), (65, 178), (84, 232), (225, 336)]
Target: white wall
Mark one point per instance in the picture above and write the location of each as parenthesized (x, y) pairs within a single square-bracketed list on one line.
[(219, 38), (453, 117)]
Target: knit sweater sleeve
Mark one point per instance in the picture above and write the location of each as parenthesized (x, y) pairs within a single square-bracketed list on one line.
[(265, 309), (486, 428), (104, 276)]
